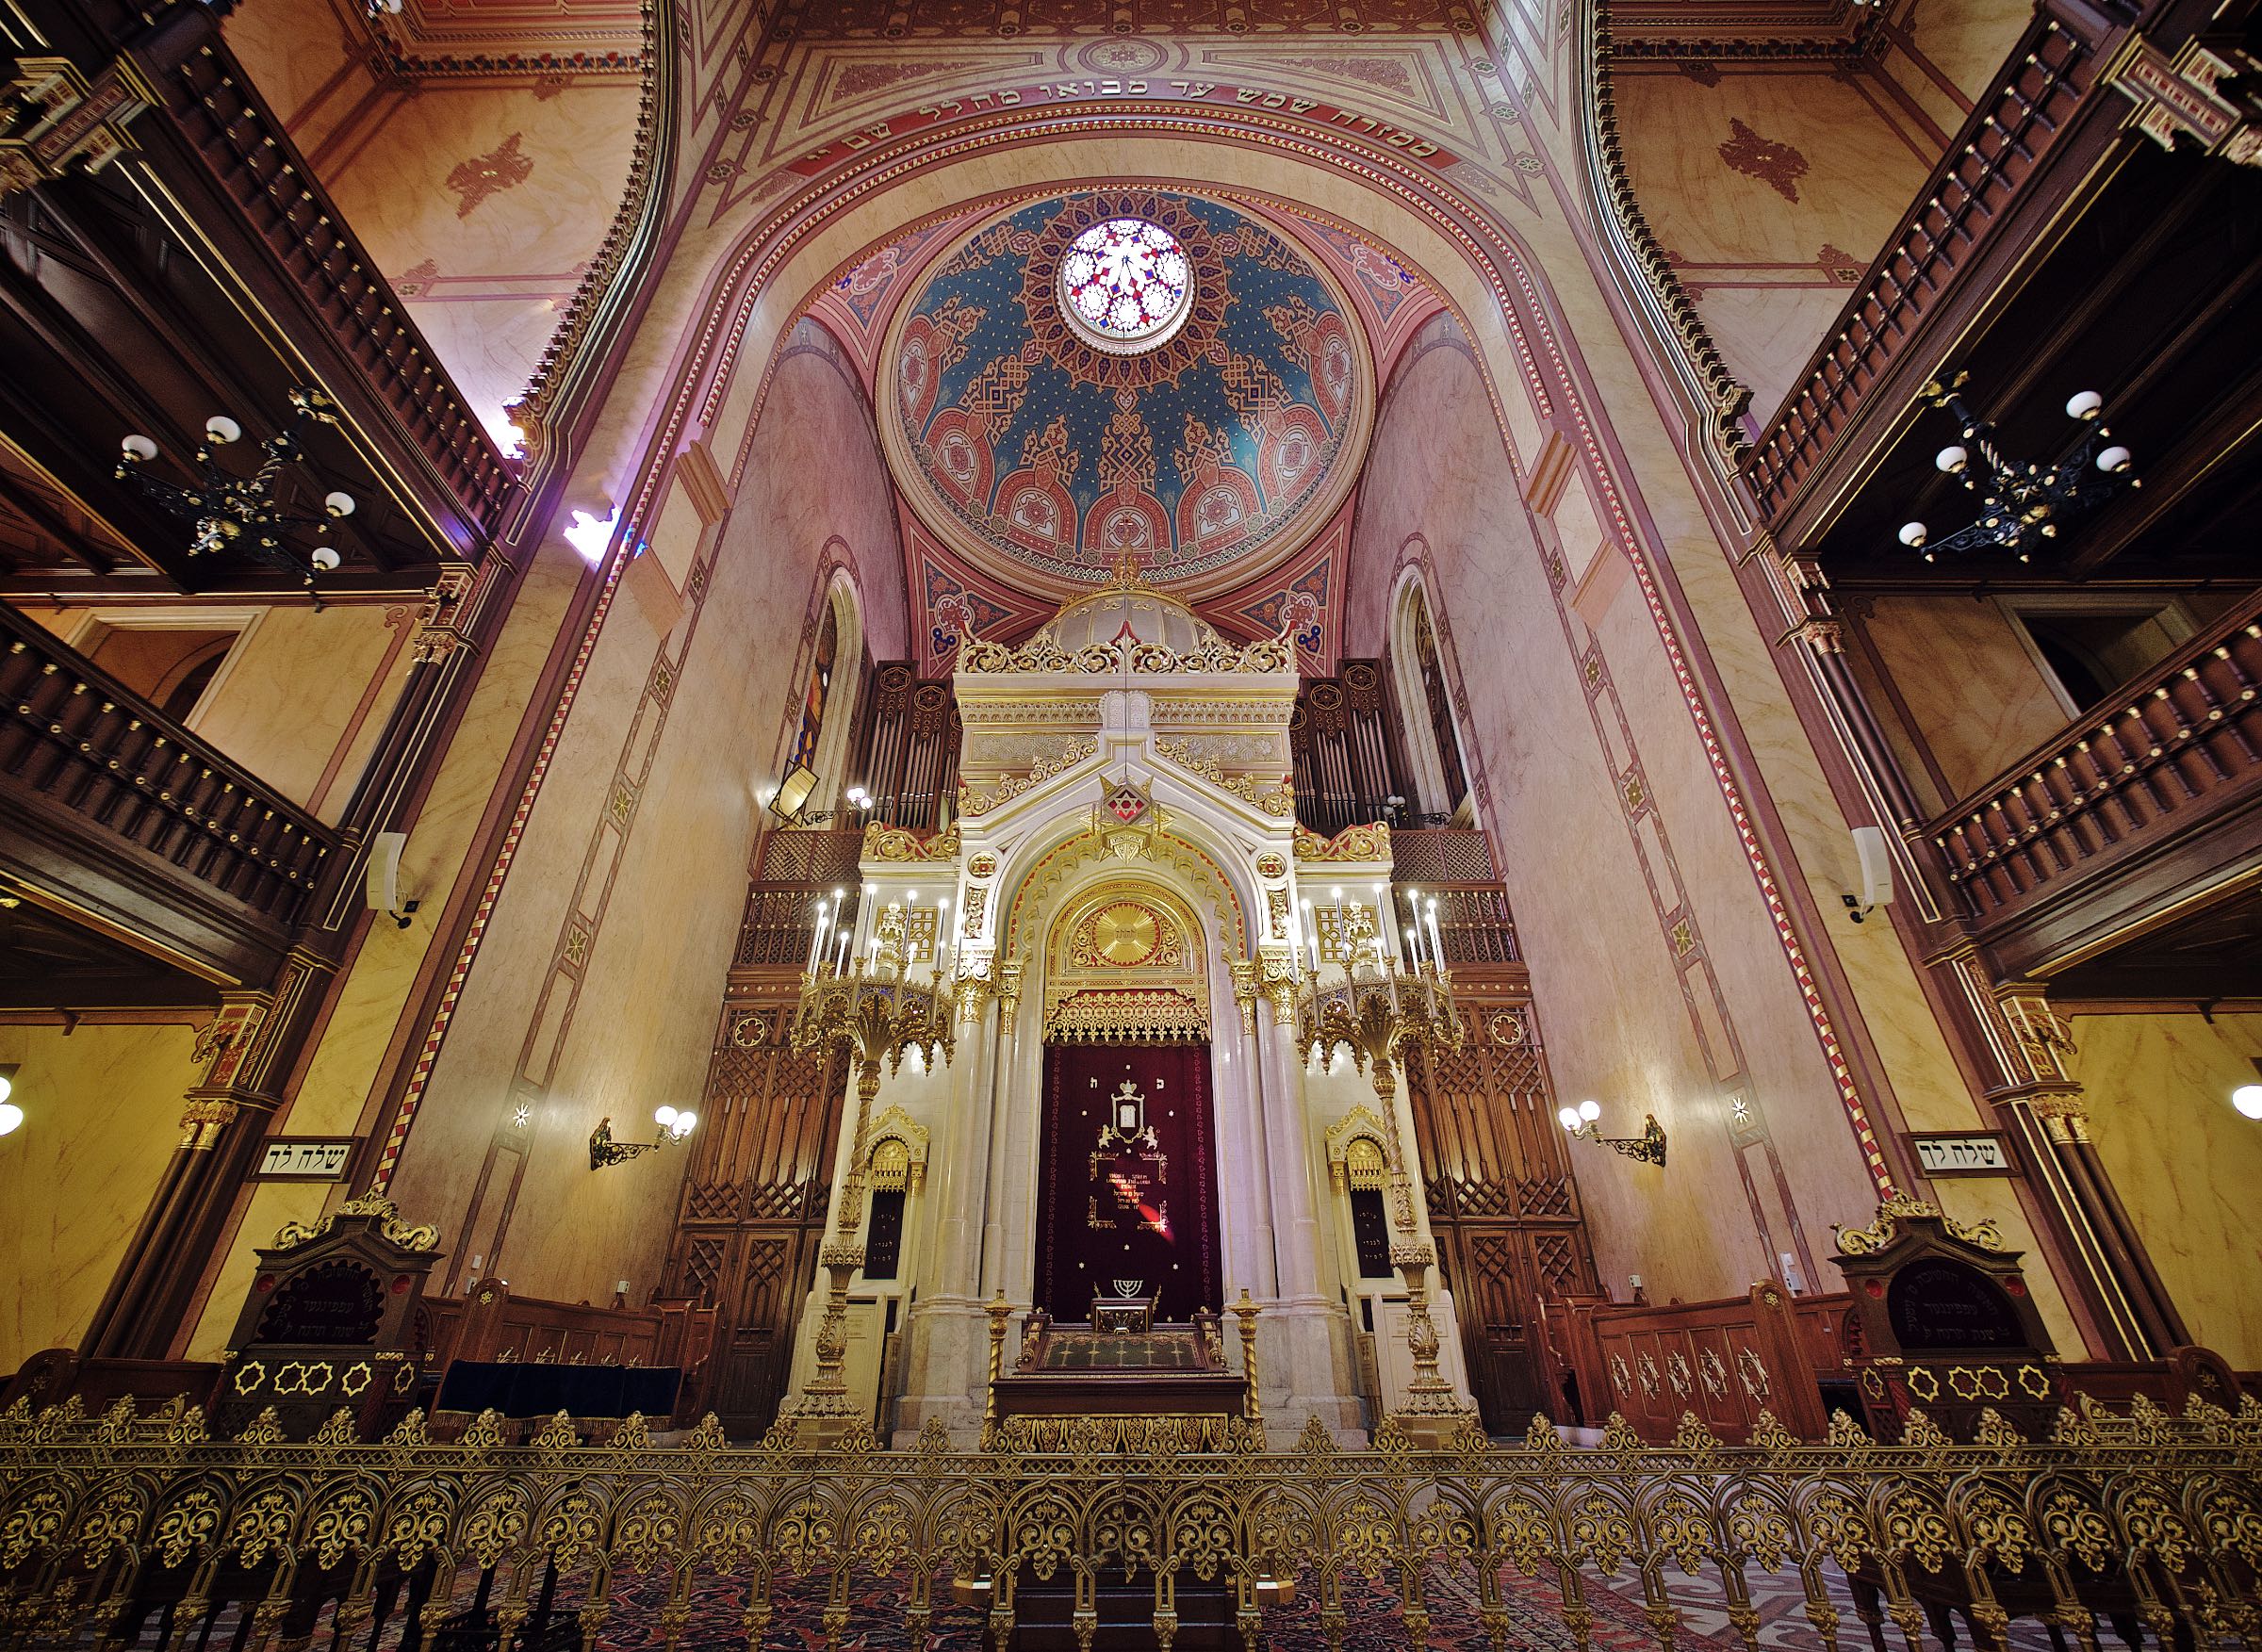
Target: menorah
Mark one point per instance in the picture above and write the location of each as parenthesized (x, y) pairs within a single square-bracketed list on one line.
[(1382, 1003), (870, 1008)]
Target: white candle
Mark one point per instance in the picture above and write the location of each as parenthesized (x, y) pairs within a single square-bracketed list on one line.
[(840, 961), (1436, 946), (1413, 936), (816, 938)]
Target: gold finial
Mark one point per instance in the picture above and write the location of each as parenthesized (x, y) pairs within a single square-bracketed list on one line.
[(1127, 571)]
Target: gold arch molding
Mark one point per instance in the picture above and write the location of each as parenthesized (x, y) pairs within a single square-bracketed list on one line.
[(1124, 963), (1044, 881)]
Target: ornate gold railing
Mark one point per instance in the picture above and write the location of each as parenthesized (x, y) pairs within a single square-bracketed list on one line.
[(2143, 1519)]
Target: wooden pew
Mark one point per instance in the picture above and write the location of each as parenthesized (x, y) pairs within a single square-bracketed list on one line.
[(1725, 1360), (490, 1323)]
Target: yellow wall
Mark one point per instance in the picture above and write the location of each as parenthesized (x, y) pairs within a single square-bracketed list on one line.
[(1975, 695), (2185, 1163), (302, 700), (102, 1113)]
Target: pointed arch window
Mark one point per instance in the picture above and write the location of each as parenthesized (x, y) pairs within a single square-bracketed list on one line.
[(1436, 708), (817, 691)]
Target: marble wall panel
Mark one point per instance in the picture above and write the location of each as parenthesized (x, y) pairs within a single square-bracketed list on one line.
[(640, 1031), (304, 696), (1975, 694), (102, 1114), (2185, 1163)]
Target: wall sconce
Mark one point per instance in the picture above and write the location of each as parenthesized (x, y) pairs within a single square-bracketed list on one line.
[(11, 1115), (1648, 1146), (603, 1150)]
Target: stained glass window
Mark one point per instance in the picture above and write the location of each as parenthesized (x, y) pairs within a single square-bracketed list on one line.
[(1126, 285)]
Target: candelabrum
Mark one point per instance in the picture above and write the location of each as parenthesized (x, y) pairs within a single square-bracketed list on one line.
[(1583, 1123), (873, 1010), (1377, 1006)]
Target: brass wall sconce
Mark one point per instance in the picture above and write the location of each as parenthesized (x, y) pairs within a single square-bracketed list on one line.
[(603, 1150), (1648, 1146)]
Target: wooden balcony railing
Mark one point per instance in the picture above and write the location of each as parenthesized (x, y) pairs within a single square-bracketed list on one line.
[(2165, 753), (74, 742), (2016, 127), (260, 169)]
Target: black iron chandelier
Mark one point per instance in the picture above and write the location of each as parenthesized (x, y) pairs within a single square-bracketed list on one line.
[(242, 513), (2022, 504)]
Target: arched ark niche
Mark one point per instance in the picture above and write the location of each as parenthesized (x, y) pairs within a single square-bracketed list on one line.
[(1125, 960), (1067, 856)]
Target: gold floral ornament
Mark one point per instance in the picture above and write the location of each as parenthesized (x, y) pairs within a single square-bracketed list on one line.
[(409, 1236), (1355, 842), (1885, 1225)]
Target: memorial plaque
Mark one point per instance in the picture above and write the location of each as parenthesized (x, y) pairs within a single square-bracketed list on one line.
[(335, 1304), (1938, 1303)]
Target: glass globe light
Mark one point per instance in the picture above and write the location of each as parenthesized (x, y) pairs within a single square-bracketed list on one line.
[(1952, 458), (664, 1118), (1590, 1111), (685, 1121), (220, 429), (1568, 1118), (10, 1117), (2083, 404), (2247, 1098), (2114, 459), (1913, 534)]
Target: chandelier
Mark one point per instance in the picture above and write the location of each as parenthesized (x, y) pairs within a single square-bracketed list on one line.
[(243, 513), (2021, 505)]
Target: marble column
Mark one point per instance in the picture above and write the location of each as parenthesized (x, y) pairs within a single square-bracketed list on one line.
[(1305, 1331), (946, 1334)]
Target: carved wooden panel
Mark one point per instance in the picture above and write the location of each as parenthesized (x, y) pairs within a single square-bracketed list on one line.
[(1502, 1204), (753, 1205)]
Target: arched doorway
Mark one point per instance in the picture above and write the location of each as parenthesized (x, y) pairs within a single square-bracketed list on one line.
[(1128, 1180)]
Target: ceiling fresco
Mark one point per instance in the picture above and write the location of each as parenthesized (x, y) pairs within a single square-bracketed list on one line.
[(1043, 459)]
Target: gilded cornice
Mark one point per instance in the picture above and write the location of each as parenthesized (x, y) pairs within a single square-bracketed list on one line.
[(1276, 801), (1268, 656), (1603, 151)]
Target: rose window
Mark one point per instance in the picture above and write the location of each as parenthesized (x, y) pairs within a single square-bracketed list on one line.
[(1126, 285)]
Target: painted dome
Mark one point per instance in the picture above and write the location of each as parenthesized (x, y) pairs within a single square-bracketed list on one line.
[(1126, 373)]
